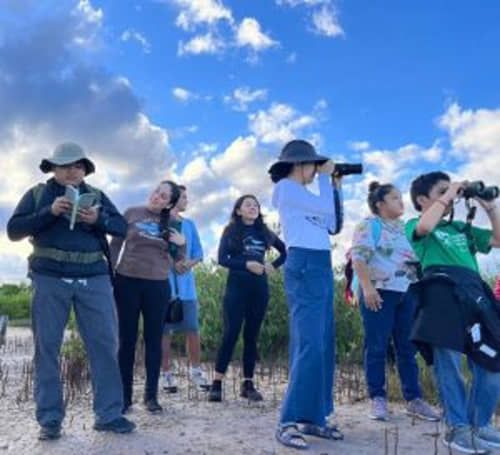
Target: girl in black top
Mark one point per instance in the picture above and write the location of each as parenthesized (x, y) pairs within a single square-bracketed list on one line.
[(242, 250)]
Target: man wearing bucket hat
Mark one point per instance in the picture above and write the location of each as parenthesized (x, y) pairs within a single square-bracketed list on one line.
[(307, 220), (69, 268)]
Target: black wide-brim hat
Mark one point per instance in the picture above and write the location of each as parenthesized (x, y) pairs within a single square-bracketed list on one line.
[(297, 151), (67, 153)]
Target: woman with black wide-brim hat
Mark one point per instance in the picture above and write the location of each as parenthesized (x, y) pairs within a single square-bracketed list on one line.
[(308, 220)]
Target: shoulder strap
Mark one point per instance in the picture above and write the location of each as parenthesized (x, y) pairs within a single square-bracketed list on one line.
[(376, 226), (37, 192)]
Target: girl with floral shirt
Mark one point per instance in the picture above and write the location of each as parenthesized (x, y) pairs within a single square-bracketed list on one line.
[(384, 263)]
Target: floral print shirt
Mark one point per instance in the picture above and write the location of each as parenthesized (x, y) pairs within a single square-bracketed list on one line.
[(386, 256)]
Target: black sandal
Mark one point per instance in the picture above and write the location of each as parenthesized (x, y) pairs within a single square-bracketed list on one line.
[(290, 436), (330, 432)]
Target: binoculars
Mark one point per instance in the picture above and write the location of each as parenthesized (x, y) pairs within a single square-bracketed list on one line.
[(480, 190)]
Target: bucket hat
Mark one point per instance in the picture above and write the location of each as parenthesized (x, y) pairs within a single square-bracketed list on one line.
[(67, 153), (296, 151)]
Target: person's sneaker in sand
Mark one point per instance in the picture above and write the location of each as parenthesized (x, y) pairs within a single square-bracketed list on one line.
[(168, 382), (198, 378), (463, 440), (378, 409), (50, 432), (422, 410), (489, 435), (119, 425)]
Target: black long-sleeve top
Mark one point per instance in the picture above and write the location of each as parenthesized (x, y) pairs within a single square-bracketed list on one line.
[(49, 231), (253, 248)]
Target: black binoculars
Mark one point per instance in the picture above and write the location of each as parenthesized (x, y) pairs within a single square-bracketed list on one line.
[(480, 190)]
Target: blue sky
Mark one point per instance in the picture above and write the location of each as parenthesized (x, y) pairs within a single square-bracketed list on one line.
[(207, 91)]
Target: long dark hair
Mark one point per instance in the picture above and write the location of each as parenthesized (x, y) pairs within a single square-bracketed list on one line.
[(234, 229), (175, 194)]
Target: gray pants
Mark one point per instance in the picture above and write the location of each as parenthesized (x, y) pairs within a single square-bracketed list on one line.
[(92, 299)]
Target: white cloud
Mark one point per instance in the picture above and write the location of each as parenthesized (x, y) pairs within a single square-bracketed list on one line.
[(326, 23), (249, 33), (320, 105), (243, 96), (183, 94), (87, 105), (324, 16), (475, 138), (242, 165), (359, 146), (91, 14), (13, 259), (279, 124), (217, 182), (201, 12), (205, 149), (292, 58), (89, 22), (219, 30), (201, 44), (133, 35)]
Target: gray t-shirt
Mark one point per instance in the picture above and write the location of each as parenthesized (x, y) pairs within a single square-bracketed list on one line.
[(143, 253)]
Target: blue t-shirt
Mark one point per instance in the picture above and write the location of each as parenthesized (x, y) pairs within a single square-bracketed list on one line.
[(185, 282)]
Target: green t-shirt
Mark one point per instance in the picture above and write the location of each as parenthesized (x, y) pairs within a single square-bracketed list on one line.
[(447, 244)]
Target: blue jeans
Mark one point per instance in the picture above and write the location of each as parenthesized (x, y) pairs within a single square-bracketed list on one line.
[(93, 303), (461, 408), (309, 292), (394, 320)]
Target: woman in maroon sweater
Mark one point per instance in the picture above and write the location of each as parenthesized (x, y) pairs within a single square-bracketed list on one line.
[(142, 261)]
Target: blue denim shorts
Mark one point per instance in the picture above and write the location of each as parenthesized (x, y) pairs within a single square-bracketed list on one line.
[(190, 321)]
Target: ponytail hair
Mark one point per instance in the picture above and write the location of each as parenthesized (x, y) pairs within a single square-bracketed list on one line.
[(175, 194), (377, 193)]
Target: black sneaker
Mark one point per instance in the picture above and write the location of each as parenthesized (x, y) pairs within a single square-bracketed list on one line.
[(50, 432), (118, 425), (249, 391), (153, 406), (215, 392)]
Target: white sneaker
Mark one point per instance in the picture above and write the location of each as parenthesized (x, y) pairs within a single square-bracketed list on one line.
[(198, 377), (489, 435), (168, 382)]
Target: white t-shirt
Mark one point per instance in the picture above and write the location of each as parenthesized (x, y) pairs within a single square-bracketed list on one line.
[(305, 217)]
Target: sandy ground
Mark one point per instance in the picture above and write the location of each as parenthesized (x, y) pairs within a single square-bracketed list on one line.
[(191, 425)]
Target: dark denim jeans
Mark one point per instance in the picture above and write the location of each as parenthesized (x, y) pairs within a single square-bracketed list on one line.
[(393, 320), (309, 292)]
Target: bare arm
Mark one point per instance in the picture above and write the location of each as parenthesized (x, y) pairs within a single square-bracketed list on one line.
[(371, 297), (432, 216), (493, 213)]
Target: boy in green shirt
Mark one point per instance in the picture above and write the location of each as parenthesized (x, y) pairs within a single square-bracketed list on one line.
[(449, 248)]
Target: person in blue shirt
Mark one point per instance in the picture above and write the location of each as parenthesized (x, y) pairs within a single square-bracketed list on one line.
[(183, 285)]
